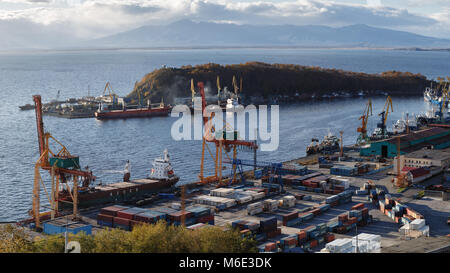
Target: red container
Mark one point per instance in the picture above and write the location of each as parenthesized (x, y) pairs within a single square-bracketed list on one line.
[(315, 211), (274, 233), (339, 188), (329, 237), (343, 217), (270, 247), (134, 223), (126, 215), (358, 206), (301, 235), (365, 211), (291, 241), (206, 219), (112, 210), (177, 215), (122, 221), (105, 218), (290, 216), (353, 220), (314, 243), (334, 204)]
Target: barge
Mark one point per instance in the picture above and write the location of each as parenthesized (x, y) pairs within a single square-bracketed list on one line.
[(160, 111)]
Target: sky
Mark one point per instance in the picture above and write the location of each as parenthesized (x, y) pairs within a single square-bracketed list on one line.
[(63, 21)]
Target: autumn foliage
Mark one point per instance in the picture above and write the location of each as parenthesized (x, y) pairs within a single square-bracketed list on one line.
[(269, 80), (157, 238)]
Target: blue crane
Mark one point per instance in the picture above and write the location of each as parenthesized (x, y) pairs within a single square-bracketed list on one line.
[(275, 170)]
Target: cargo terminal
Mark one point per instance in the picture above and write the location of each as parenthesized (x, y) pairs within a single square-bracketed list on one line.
[(362, 198)]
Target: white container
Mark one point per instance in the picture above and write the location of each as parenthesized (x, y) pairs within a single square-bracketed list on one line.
[(175, 205), (417, 224)]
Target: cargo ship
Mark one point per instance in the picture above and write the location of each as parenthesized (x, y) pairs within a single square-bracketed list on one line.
[(104, 113), (329, 144), (162, 177)]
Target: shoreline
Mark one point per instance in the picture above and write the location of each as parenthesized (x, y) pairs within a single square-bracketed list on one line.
[(231, 47)]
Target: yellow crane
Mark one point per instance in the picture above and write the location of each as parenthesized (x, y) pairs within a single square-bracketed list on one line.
[(111, 94), (64, 169), (218, 90), (362, 138), (192, 91)]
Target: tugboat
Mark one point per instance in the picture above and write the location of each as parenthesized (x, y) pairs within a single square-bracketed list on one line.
[(329, 144), (161, 178)]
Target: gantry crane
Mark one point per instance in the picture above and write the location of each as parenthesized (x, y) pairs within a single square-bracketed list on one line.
[(223, 146), (384, 115), (64, 169), (273, 170), (363, 137)]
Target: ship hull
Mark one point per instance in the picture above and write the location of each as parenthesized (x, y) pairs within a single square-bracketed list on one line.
[(120, 192), (133, 113)]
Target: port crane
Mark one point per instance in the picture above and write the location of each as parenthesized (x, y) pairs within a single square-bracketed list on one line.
[(273, 170), (64, 169), (111, 94), (363, 137), (223, 146), (218, 90), (388, 108), (192, 91)]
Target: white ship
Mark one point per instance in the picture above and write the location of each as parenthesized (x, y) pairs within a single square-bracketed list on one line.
[(162, 169), (399, 127)]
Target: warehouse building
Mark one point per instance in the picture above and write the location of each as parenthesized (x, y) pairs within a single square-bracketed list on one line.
[(434, 138)]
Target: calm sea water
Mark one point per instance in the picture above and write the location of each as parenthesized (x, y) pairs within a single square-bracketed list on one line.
[(105, 145)]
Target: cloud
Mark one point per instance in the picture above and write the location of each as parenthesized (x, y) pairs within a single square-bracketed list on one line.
[(90, 19)]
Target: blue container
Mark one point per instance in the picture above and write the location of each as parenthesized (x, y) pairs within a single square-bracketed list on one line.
[(302, 188), (84, 228), (293, 222), (166, 195), (104, 224)]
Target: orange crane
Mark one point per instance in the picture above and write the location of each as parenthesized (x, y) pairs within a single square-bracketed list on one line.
[(64, 170), (223, 146), (363, 138)]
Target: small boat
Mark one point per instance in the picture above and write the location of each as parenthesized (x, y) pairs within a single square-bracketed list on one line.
[(26, 107)]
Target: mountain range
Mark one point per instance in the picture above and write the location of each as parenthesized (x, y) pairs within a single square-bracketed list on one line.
[(186, 33)]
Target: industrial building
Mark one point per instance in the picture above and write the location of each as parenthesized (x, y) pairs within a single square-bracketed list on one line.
[(435, 138)]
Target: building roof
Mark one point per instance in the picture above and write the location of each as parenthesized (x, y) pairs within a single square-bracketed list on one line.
[(418, 172), (406, 138), (429, 154)]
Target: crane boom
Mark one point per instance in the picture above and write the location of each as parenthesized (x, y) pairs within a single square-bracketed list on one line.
[(39, 123)]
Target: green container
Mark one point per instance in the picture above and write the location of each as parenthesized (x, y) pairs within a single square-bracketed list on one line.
[(65, 163)]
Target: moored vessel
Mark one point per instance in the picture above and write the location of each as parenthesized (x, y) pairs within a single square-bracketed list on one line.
[(161, 178), (104, 113)]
